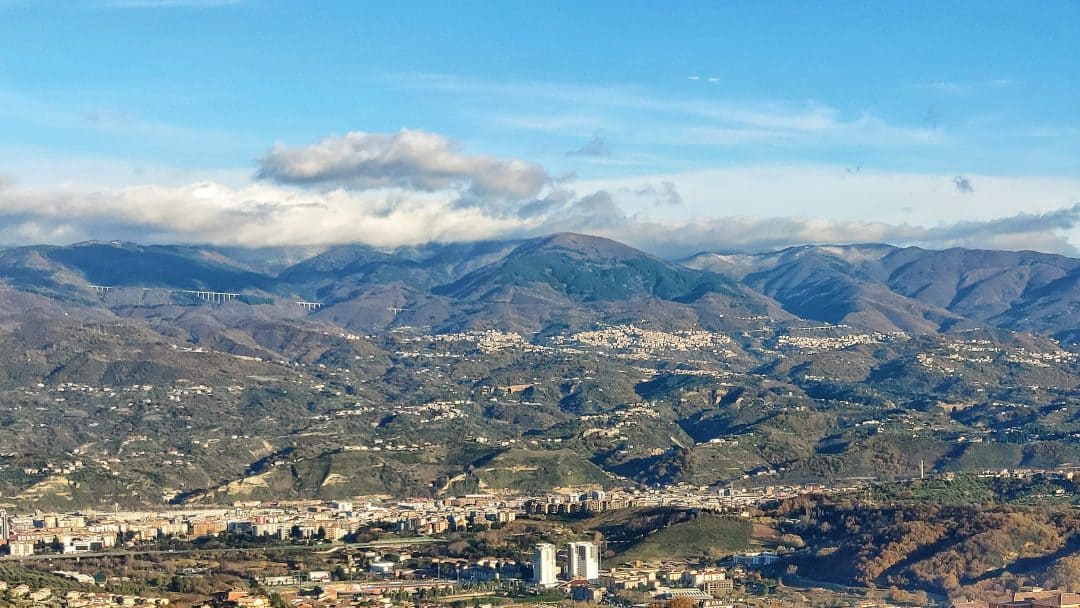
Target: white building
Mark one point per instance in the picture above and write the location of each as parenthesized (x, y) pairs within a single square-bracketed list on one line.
[(544, 565), (582, 561), (383, 568), (760, 558), (86, 544), (21, 547)]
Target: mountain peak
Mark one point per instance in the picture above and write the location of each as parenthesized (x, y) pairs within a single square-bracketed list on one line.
[(584, 245)]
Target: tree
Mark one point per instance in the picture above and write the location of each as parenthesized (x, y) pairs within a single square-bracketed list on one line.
[(458, 548), (681, 602), (792, 540), (1064, 574)]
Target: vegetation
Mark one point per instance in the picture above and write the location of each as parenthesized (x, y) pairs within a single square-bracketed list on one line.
[(333, 404), (934, 547), (650, 534)]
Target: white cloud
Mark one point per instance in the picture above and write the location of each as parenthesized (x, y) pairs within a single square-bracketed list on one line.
[(1041, 232), (254, 215), (407, 159), (783, 118), (892, 197), (412, 187), (266, 214)]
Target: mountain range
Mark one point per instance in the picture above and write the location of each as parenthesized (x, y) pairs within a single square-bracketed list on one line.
[(912, 289), (146, 373), (574, 280)]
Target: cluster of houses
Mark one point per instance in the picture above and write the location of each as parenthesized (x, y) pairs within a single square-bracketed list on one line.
[(94, 531), (820, 343), (25, 535), (45, 596)]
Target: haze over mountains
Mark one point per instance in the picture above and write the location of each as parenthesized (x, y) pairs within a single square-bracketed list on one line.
[(573, 280)]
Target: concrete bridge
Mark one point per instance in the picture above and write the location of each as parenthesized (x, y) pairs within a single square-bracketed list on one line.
[(214, 297)]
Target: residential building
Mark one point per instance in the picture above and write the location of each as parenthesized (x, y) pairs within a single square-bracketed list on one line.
[(582, 561), (544, 569)]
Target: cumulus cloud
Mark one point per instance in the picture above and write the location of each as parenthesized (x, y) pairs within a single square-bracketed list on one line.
[(408, 188), (408, 159), (270, 215), (1046, 224), (253, 215)]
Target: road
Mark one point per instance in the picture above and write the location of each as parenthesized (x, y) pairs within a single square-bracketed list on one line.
[(404, 542)]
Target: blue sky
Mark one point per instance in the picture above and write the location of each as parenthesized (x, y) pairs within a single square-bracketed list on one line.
[(864, 120)]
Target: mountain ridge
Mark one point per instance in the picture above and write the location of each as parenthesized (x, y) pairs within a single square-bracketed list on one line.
[(873, 286), (477, 360), (936, 289)]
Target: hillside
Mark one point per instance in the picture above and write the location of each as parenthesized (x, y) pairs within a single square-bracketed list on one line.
[(912, 289), (575, 279), (706, 536), (971, 547), (510, 366)]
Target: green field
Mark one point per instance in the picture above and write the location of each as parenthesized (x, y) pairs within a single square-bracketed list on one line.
[(538, 470), (706, 536)]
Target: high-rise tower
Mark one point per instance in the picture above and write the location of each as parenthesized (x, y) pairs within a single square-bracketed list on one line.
[(544, 565), (582, 561)]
